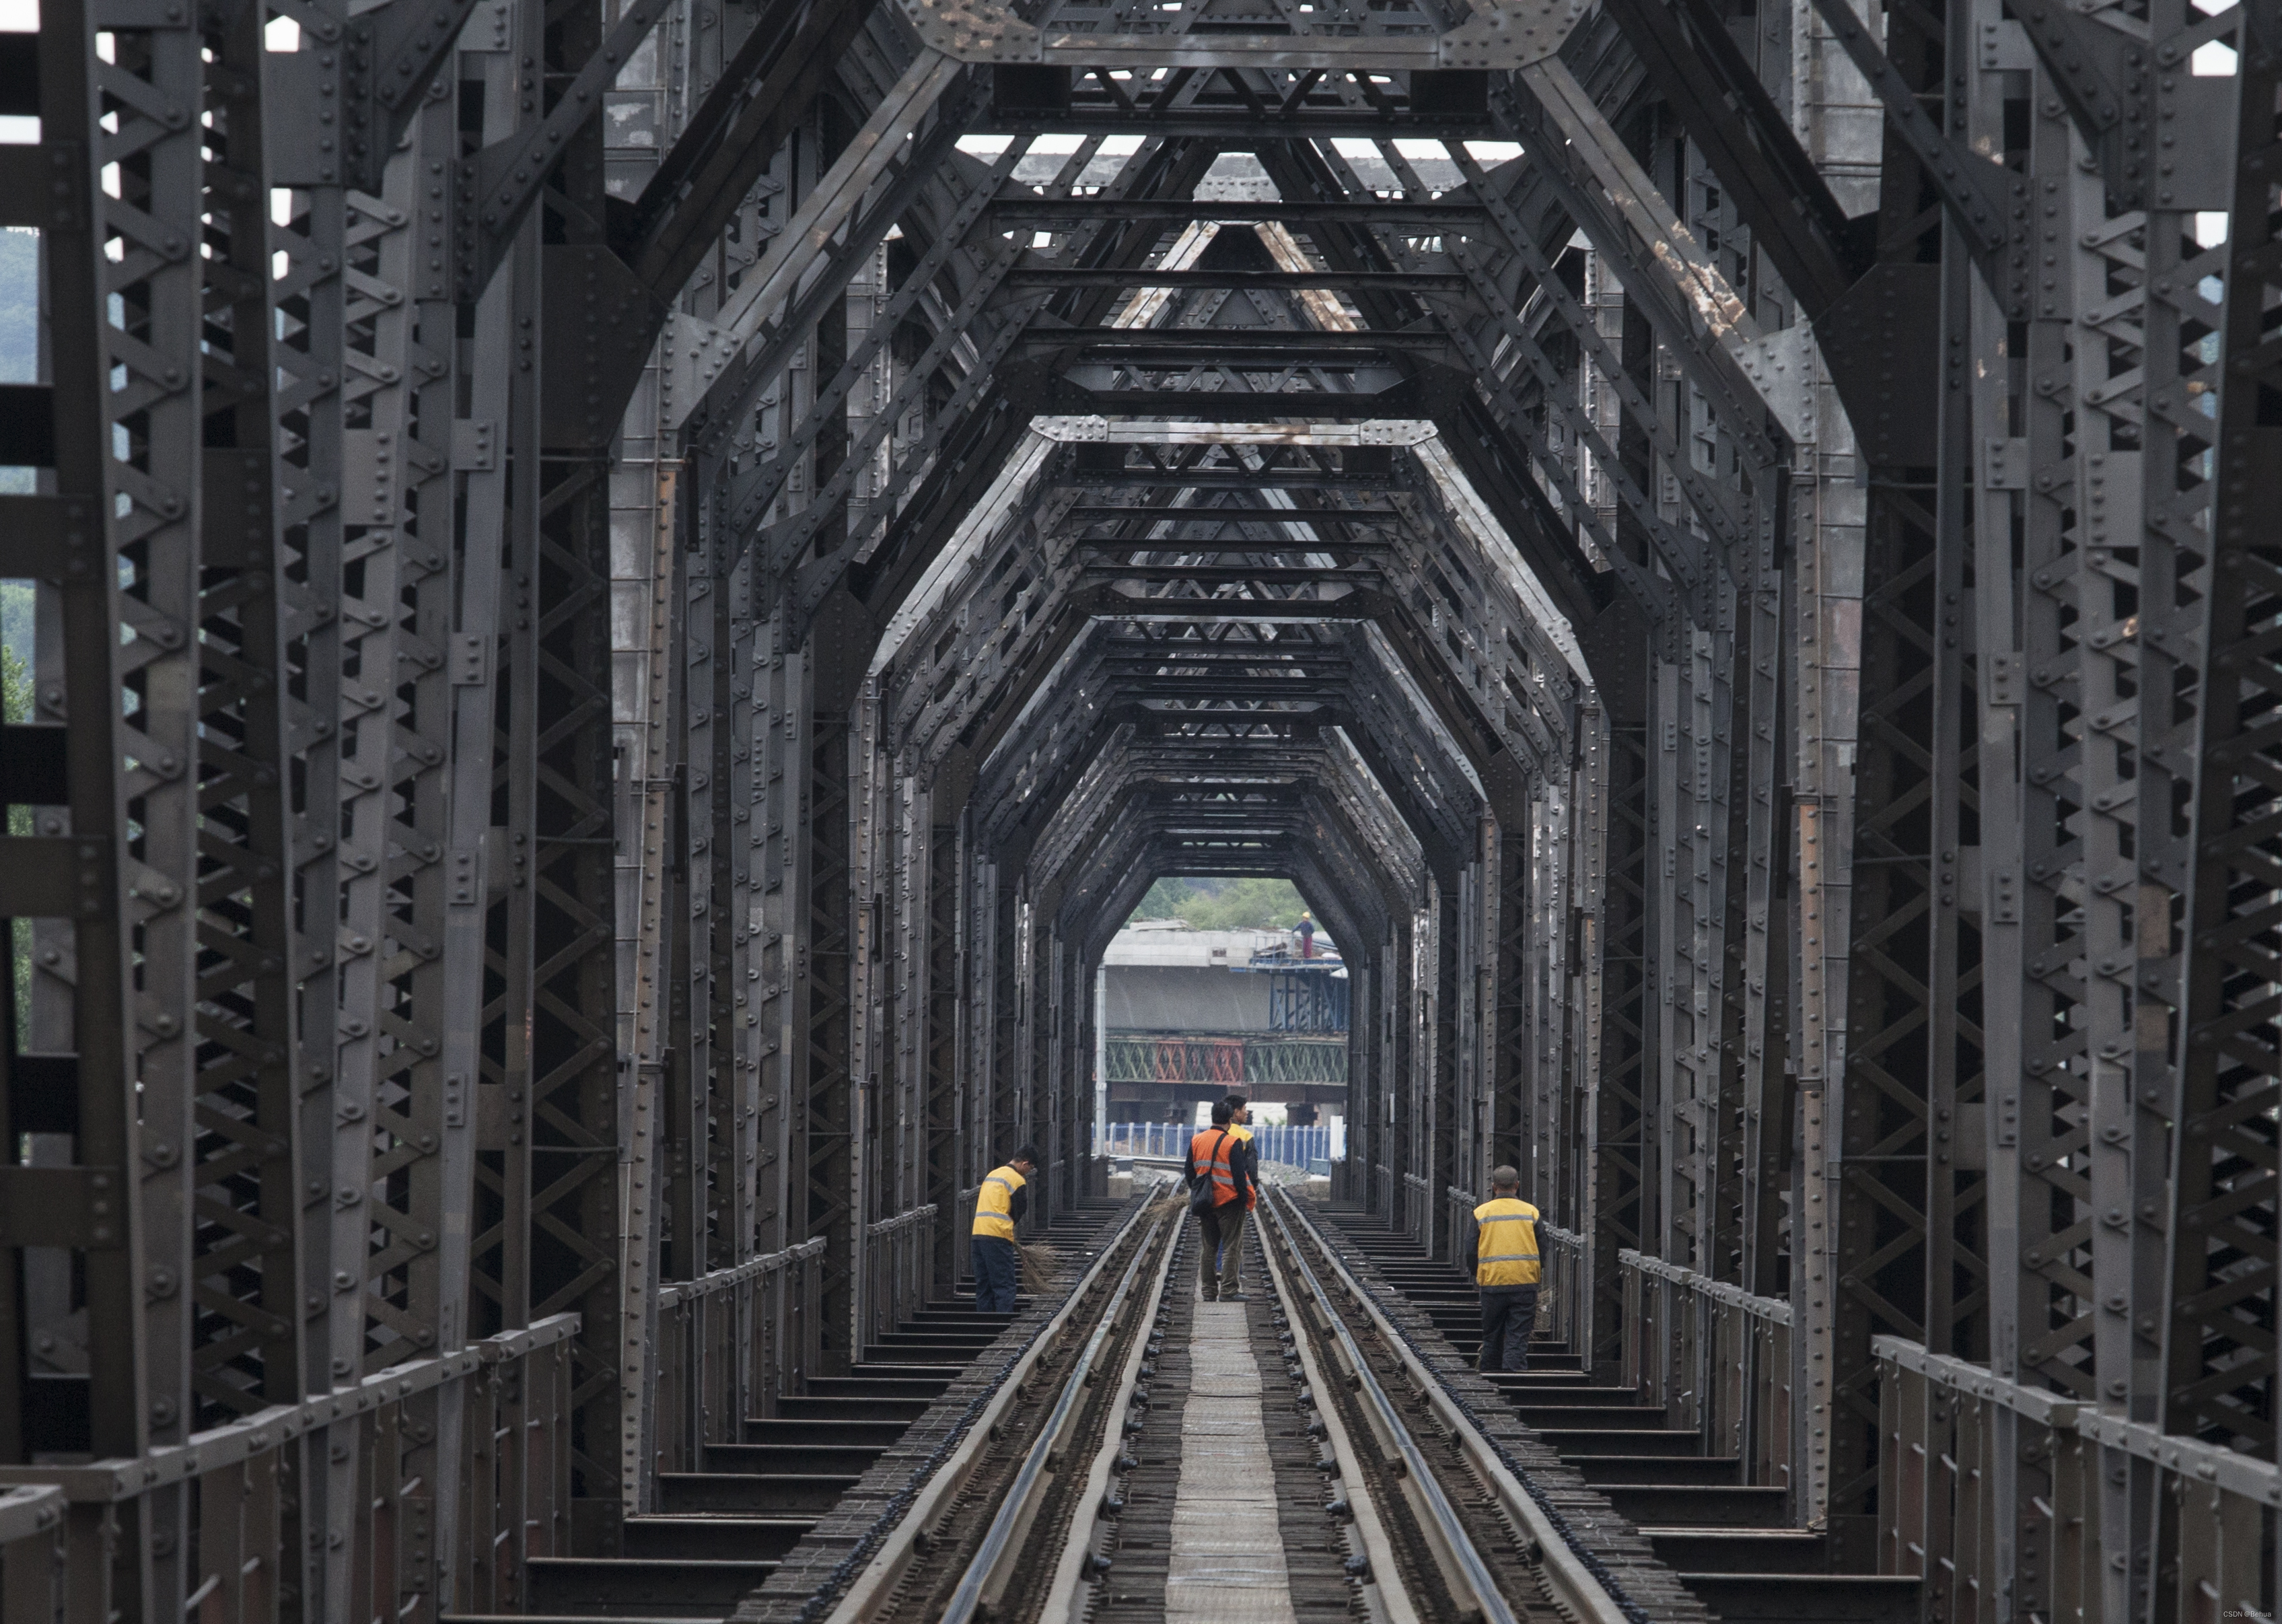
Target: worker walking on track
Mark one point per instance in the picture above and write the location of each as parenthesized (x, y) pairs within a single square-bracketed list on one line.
[(1504, 1257), (1222, 1154), (999, 1206)]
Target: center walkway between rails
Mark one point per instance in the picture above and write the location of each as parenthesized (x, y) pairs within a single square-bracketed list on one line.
[(1227, 1559)]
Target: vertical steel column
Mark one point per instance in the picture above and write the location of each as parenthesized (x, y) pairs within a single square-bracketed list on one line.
[(1627, 1040), (910, 962), (722, 1111), (2217, 1379), (149, 133), (2221, 1374), (489, 891), (1839, 122), (1054, 1075), (1585, 991), (1765, 1061), (1439, 1138), (1473, 958), (1882, 1253), (1549, 1132), (250, 1295), (779, 697), (1663, 1137), (82, 940), (661, 1168), (1003, 1122), (1402, 1097), (741, 1042), (823, 968), (1518, 1098), (1827, 515), (561, 747), (2004, 601), (1957, 1265), (944, 1079)]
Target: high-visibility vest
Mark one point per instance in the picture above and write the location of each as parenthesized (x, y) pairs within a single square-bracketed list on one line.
[(1212, 1163), (1251, 1191), (994, 1203), (1506, 1248)]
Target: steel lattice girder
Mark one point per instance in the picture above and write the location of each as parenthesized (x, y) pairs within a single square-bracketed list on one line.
[(912, 696)]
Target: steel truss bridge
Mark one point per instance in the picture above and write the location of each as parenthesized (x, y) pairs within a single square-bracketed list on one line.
[(625, 594), (1230, 1060)]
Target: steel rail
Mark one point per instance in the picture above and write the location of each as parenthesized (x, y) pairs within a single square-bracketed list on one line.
[(1381, 1569), (1460, 1562), (1575, 1585), (981, 1585), (868, 1590), (1067, 1598)]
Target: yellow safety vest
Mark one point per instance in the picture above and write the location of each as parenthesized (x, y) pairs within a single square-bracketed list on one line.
[(994, 1203), (1251, 1192), (1506, 1248)]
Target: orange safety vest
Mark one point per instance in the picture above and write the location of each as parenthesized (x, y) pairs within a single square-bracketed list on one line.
[(1213, 1163)]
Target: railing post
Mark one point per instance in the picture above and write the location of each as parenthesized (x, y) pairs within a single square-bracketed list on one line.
[(1966, 1534), (1634, 1306)]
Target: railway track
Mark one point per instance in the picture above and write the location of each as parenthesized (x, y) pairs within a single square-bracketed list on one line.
[(1121, 1450), (1277, 1458)]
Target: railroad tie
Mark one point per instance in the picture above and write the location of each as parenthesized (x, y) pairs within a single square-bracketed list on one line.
[(1227, 1560)]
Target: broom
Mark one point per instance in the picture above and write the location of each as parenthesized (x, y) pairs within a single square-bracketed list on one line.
[(1038, 1264), (1038, 1261)]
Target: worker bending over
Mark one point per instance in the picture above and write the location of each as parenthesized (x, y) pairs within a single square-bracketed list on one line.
[(999, 1206), (1504, 1257), (1223, 1153)]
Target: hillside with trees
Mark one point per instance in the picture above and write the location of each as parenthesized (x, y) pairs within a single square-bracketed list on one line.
[(1252, 902)]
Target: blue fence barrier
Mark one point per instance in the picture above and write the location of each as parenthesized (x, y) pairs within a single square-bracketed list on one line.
[(1274, 1141)]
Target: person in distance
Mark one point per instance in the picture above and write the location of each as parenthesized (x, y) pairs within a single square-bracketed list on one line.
[(1503, 1256), (1221, 1156), (999, 1206)]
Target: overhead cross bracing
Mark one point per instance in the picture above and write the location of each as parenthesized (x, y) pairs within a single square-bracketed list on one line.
[(615, 600)]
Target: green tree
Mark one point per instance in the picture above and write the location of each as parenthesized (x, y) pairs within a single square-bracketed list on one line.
[(1165, 900), (1252, 902)]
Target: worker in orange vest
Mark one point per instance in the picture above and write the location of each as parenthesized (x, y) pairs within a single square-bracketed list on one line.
[(1223, 1153)]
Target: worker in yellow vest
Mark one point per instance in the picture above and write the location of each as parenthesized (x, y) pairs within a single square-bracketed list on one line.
[(1503, 1256), (999, 1206), (1231, 1261)]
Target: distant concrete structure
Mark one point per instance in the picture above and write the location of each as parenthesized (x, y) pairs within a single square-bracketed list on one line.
[(1190, 1015)]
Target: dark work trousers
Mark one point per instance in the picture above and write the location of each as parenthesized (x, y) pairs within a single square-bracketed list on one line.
[(1220, 1264), (995, 1273), (1509, 1315)]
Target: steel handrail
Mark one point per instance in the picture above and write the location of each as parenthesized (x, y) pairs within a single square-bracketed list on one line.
[(902, 1220), (737, 1274)]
